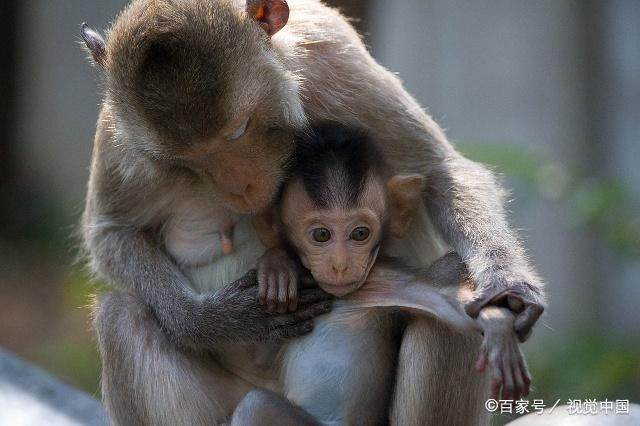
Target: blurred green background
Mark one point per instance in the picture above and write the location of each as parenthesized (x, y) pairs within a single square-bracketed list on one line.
[(546, 93)]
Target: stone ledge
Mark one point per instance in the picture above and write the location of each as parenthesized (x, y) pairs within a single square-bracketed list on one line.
[(29, 396)]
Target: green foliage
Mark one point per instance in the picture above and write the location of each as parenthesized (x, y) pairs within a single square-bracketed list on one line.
[(75, 362), (603, 206), (590, 364), (72, 354)]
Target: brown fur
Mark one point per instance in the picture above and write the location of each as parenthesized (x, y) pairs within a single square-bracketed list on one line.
[(162, 156)]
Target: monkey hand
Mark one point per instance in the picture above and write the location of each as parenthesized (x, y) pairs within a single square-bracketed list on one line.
[(278, 281), (501, 354), (521, 296), (234, 315)]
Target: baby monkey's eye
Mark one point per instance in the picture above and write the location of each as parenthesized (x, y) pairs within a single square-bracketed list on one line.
[(239, 132), (321, 235), (361, 233)]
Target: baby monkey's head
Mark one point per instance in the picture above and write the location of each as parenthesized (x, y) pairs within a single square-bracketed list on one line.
[(342, 203)]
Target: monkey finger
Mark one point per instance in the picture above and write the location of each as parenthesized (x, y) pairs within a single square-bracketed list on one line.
[(283, 293), (526, 376), (496, 380), (520, 386), (481, 362), (262, 286), (303, 314), (527, 319), (293, 292), (474, 307), (515, 304), (496, 384), (272, 293), (507, 375)]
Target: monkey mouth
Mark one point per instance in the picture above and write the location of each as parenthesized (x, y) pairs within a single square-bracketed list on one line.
[(340, 290), (343, 289)]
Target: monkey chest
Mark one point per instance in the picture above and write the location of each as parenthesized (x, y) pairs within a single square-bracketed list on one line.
[(212, 246)]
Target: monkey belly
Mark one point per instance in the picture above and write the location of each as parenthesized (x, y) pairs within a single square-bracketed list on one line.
[(342, 372)]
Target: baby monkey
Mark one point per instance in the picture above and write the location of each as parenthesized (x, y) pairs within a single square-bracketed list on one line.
[(337, 217)]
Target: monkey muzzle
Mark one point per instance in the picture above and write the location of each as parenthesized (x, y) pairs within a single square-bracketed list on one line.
[(340, 290)]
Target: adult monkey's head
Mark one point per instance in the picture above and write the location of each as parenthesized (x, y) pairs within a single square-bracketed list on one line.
[(341, 204), (197, 85)]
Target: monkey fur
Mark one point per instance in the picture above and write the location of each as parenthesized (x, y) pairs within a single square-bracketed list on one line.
[(202, 99), (336, 213)]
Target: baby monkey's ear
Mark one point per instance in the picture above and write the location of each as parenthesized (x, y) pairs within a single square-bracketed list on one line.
[(405, 193), (272, 15), (95, 44)]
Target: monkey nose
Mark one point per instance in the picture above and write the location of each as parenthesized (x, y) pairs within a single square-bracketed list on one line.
[(340, 269)]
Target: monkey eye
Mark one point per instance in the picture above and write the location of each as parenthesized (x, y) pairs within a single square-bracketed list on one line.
[(239, 132), (361, 233), (321, 235)]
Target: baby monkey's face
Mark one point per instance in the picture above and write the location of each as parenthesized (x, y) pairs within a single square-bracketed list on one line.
[(338, 243)]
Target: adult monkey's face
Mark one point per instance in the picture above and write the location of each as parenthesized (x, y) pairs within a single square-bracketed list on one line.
[(197, 85)]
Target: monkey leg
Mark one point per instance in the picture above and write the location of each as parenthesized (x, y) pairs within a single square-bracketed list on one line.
[(436, 382), (146, 380), (265, 408), (342, 373)]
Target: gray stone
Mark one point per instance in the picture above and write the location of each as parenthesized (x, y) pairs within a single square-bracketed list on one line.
[(561, 416), (29, 396)]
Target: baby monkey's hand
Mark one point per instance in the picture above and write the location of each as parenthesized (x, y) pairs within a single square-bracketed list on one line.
[(501, 353), (277, 281)]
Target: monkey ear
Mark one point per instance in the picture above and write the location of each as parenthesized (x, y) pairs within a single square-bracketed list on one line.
[(405, 194), (95, 44), (272, 15)]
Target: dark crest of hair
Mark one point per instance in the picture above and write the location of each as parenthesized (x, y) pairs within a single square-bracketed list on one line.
[(331, 150)]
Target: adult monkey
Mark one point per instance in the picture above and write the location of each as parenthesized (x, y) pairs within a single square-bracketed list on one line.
[(197, 121)]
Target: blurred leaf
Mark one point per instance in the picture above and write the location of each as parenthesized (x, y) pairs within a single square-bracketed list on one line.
[(587, 365), (509, 159), (76, 363), (603, 206)]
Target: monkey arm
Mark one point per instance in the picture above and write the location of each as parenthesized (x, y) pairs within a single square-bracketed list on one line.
[(441, 291), (466, 204), (463, 199), (121, 217), (195, 321)]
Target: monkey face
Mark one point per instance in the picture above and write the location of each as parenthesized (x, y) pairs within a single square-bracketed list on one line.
[(338, 244), (198, 84), (246, 166)]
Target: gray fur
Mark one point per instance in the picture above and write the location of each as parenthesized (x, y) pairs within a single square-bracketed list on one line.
[(156, 338)]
